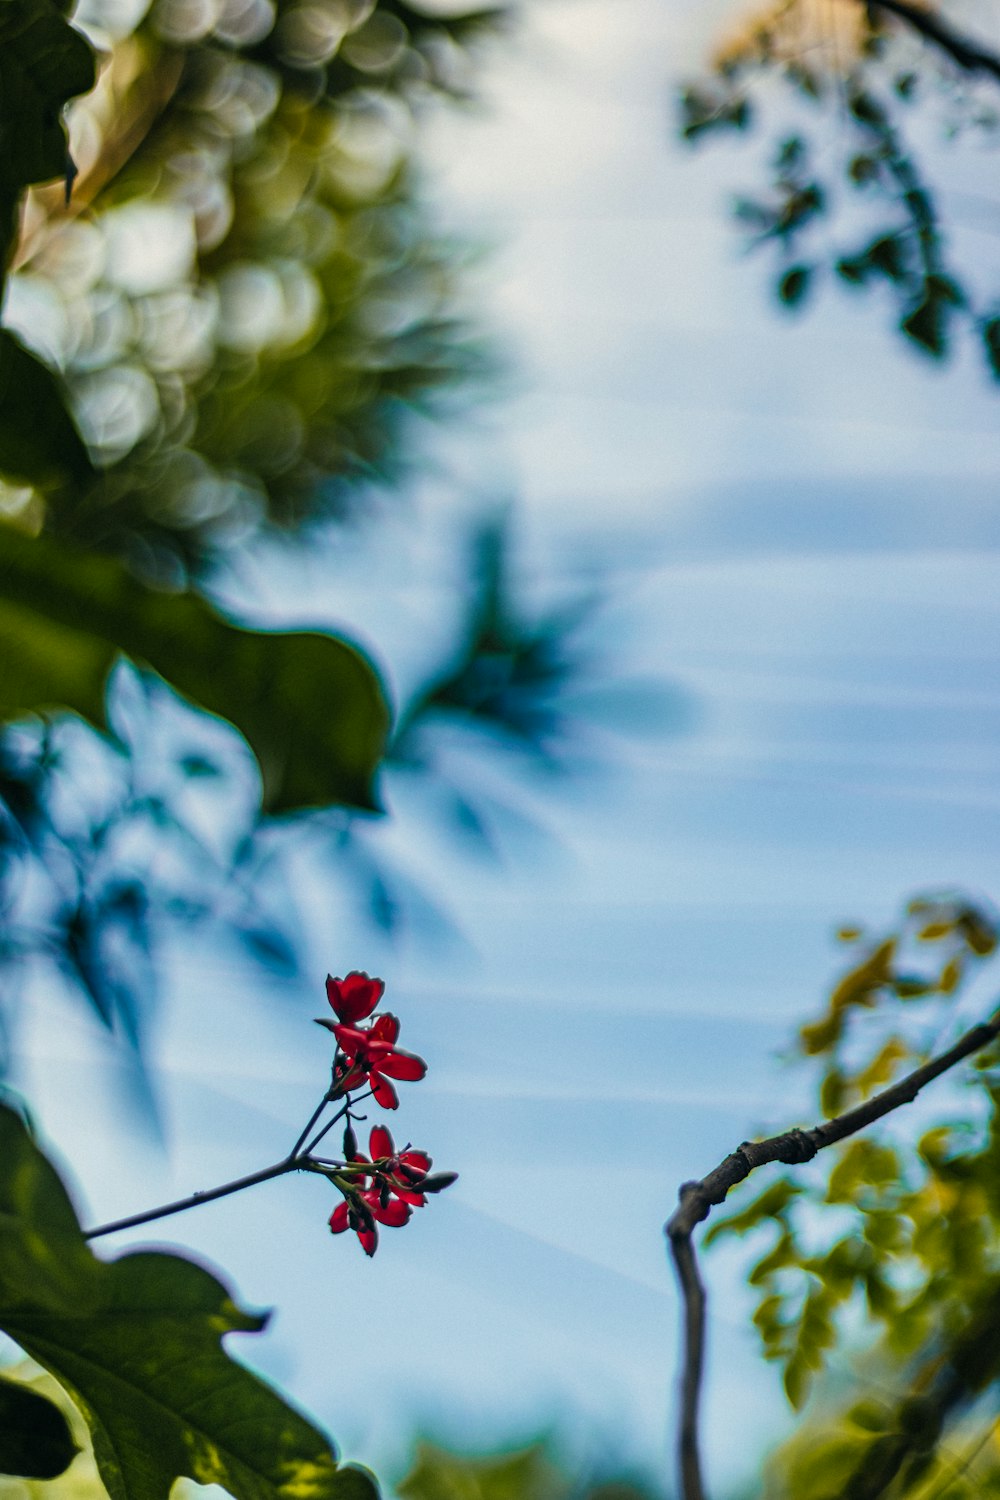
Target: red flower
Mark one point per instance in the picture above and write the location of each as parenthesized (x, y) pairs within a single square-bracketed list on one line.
[(394, 1213), (373, 1053), (355, 996), (401, 1173)]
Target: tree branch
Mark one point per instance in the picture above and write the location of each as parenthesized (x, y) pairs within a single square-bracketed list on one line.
[(181, 1205), (960, 49), (697, 1199)]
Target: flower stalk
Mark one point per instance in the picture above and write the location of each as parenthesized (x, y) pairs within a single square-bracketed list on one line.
[(381, 1189)]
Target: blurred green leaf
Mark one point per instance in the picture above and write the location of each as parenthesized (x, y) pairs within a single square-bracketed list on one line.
[(310, 705), (39, 443), (524, 1475), (35, 1439), (771, 1204), (794, 285), (137, 1342), (926, 326), (991, 341)]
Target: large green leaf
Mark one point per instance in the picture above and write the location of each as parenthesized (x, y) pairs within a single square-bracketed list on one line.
[(35, 1438), (43, 63), (137, 1342), (310, 705)]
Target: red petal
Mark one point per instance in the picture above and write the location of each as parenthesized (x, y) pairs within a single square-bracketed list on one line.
[(354, 997), (402, 1065), (408, 1195), (380, 1142), (418, 1160), (375, 1051), (384, 1092), (369, 1240), (395, 1213), (352, 1079), (338, 1219), (350, 1038), (385, 1029)]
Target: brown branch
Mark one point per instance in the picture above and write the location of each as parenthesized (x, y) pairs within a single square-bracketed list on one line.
[(960, 49), (194, 1200), (697, 1199)]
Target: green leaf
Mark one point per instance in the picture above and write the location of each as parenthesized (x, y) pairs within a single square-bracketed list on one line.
[(934, 930), (771, 1204), (43, 63), (866, 109), (991, 340), (794, 285), (35, 1439), (945, 289), (137, 1342), (796, 1381), (833, 1092), (310, 705), (925, 325), (862, 169), (979, 931), (853, 269), (39, 443), (886, 254), (783, 1254), (525, 1475)]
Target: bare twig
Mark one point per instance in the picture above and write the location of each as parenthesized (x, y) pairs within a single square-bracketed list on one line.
[(697, 1199), (194, 1200), (929, 24)]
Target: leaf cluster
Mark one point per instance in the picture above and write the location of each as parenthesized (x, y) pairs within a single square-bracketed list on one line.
[(531, 1473), (108, 843), (276, 140), (901, 1242), (847, 194)]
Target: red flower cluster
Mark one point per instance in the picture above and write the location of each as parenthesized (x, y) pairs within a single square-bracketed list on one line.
[(385, 1187), (393, 1194), (367, 1055)]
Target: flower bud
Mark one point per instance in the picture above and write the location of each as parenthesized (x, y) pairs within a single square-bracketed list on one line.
[(410, 1174), (438, 1182)]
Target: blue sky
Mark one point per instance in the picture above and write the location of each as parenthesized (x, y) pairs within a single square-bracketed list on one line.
[(796, 531)]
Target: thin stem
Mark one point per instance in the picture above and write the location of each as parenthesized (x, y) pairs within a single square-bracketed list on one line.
[(962, 49), (297, 1160), (311, 1122), (293, 1163), (331, 1123), (697, 1199), (693, 1294)]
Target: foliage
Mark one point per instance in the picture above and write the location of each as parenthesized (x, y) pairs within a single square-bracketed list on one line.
[(258, 365), (848, 194), (531, 1473), (908, 1238), (137, 1342), (67, 614), (236, 163), (507, 671), (111, 842)]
